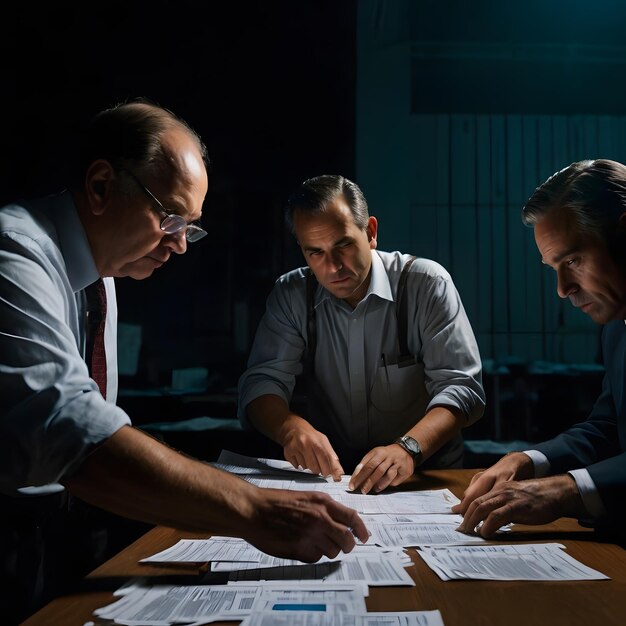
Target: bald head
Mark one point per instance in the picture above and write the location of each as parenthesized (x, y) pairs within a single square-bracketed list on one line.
[(137, 135), (141, 166)]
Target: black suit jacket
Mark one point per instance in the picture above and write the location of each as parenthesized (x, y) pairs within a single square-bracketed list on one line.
[(599, 443)]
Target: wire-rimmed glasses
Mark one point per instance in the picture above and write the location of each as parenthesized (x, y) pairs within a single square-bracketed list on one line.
[(171, 222)]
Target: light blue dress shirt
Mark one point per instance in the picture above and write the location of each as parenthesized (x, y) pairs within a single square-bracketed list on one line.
[(51, 412), (360, 397)]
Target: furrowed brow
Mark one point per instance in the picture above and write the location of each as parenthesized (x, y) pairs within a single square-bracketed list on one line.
[(559, 257)]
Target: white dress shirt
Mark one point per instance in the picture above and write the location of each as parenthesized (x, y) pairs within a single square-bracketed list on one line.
[(51, 412), (361, 397)]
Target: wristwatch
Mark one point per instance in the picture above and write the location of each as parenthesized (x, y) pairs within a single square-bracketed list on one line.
[(412, 447)]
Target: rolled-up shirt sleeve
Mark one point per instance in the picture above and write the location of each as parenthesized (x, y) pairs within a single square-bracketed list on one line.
[(452, 364), (51, 412), (276, 354)]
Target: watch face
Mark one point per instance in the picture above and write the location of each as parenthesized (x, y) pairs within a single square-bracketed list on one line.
[(411, 445)]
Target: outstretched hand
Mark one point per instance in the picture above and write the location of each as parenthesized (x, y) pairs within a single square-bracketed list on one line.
[(304, 525), (382, 467), (305, 447), (536, 501), (515, 466)]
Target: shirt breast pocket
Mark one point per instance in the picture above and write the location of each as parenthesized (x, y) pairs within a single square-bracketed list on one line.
[(400, 389)]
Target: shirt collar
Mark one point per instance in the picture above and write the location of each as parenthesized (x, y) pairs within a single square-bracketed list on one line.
[(379, 283), (79, 261)]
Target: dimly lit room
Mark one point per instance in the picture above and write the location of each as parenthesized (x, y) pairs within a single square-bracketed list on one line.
[(485, 142)]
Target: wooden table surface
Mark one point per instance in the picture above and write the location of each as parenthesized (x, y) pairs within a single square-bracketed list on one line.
[(462, 603)]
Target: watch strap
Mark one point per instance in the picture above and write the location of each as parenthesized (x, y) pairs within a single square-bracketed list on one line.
[(413, 447)]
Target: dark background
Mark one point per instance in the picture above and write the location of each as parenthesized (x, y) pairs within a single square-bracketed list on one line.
[(270, 88)]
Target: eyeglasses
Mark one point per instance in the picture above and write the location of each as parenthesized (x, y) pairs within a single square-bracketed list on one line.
[(172, 223)]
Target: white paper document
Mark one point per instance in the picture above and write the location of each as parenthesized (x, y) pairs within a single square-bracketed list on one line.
[(359, 552), (264, 590), (399, 503), (419, 518), (240, 464), (280, 474), (163, 605), (408, 535), (376, 572), (231, 553), (408, 618), (204, 550), (539, 561), (317, 597)]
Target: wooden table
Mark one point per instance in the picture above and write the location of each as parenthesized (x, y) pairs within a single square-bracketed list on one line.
[(462, 603)]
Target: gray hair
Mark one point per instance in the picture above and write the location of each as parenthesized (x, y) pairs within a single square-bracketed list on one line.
[(315, 194), (593, 192)]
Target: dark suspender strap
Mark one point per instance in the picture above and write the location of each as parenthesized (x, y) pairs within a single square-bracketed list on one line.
[(311, 329), (402, 313)]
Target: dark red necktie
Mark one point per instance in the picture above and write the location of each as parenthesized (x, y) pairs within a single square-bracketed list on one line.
[(96, 320)]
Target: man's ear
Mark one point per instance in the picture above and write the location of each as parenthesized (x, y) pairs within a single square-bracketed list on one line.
[(372, 231), (98, 180)]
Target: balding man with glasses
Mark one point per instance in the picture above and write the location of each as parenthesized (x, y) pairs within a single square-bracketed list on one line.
[(136, 199)]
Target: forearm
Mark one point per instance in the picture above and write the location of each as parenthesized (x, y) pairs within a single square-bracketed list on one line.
[(303, 445), (436, 428), (134, 475), (270, 415)]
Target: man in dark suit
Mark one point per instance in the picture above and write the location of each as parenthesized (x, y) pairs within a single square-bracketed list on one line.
[(579, 219)]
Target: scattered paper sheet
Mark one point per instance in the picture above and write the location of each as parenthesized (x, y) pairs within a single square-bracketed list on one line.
[(376, 572), (360, 551), (240, 464), (423, 518), (408, 618), (324, 597), (408, 535), (332, 591), (164, 604), (539, 561), (204, 550), (237, 552), (161, 605)]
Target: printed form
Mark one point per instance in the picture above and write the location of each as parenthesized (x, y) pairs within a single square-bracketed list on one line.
[(264, 590)]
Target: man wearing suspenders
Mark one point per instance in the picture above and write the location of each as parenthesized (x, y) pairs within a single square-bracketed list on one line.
[(392, 367)]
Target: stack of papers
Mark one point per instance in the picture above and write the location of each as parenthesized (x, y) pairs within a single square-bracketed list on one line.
[(524, 561), (263, 590), (369, 564), (309, 604)]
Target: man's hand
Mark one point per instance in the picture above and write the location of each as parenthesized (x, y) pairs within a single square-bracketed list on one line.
[(305, 447), (515, 466), (134, 475), (303, 525), (382, 467), (536, 501)]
